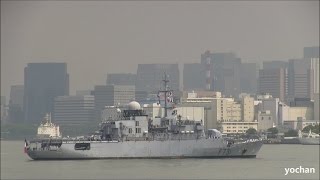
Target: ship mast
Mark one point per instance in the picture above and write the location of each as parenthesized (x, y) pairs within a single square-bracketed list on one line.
[(165, 91)]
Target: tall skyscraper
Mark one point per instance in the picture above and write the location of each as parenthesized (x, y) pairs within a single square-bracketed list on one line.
[(248, 78), (42, 83), (15, 112), (272, 81), (194, 76), (300, 79), (315, 65), (83, 92), (150, 76), (316, 106), (311, 52), (276, 64), (224, 73), (122, 79), (111, 95), (73, 110), (3, 109)]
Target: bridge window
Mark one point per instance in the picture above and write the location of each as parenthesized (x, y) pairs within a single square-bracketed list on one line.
[(138, 130)]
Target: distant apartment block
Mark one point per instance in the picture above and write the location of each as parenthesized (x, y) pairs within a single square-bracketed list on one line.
[(121, 79), (42, 83), (111, 95), (226, 109), (273, 81), (222, 72), (193, 76), (73, 110), (15, 112), (237, 127), (247, 106), (150, 76)]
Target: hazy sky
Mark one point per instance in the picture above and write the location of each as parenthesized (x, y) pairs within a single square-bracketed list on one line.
[(100, 37)]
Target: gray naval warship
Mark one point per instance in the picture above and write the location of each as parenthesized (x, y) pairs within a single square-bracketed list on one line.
[(131, 134)]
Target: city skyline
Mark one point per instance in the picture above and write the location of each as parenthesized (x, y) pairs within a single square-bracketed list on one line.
[(93, 42)]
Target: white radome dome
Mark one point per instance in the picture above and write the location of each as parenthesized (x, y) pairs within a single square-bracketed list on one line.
[(134, 105)]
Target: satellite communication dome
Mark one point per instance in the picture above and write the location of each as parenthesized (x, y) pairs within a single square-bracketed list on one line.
[(134, 105)]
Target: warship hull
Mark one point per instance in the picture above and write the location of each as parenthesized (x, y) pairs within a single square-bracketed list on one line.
[(309, 141), (201, 148)]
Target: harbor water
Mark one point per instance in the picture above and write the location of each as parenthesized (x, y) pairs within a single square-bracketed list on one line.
[(270, 163)]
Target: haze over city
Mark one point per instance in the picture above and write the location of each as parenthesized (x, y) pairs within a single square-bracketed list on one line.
[(175, 89), (96, 38)]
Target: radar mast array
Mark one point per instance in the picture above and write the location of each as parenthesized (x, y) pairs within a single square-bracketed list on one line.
[(165, 91)]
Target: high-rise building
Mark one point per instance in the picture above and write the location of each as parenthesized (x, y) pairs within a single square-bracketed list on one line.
[(300, 79), (316, 107), (3, 109), (73, 110), (15, 112), (111, 95), (248, 78), (141, 96), (83, 92), (3, 100), (276, 64), (16, 95), (223, 74), (272, 81), (226, 109), (303, 81), (311, 52), (150, 76), (315, 65), (193, 76), (42, 83), (122, 79)]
